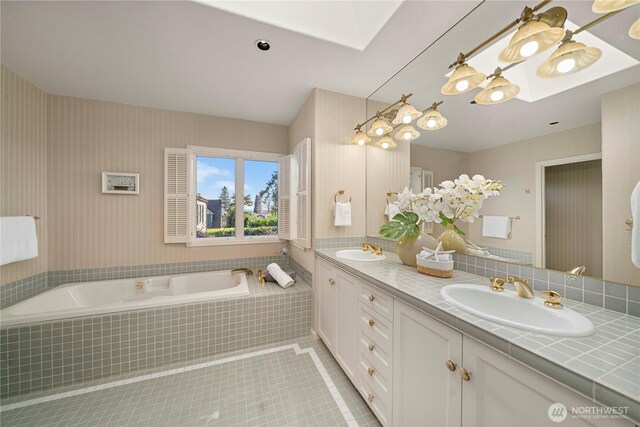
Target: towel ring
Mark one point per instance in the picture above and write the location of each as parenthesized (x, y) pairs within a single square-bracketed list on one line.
[(389, 194), (341, 193)]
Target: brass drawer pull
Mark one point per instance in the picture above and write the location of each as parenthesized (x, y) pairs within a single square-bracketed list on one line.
[(465, 375), (372, 322), (451, 366), (370, 371), (371, 347), (332, 282), (371, 298), (370, 397)]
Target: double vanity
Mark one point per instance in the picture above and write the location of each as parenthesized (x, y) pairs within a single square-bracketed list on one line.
[(425, 351)]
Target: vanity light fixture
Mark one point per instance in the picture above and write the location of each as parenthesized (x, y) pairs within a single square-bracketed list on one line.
[(432, 118), (360, 138), (497, 91), (463, 79), (379, 127), (406, 114), (570, 57), (407, 133), (531, 38), (386, 143), (606, 6), (634, 31)]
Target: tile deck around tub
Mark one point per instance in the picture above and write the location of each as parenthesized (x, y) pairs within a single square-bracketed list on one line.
[(295, 383), (598, 366)]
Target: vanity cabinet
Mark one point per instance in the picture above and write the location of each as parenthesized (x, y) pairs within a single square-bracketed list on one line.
[(326, 293)]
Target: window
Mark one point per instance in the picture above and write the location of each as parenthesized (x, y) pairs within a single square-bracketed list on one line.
[(215, 197)]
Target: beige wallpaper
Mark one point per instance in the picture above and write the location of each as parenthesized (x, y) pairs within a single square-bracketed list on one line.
[(23, 171), (303, 126), (621, 172), (85, 137)]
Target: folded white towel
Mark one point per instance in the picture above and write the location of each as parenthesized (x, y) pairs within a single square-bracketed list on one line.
[(283, 279), (496, 226), (635, 229), (437, 254), (391, 210), (18, 239), (343, 214)]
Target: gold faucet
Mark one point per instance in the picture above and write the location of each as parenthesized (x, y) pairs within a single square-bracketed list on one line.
[(497, 284), (242, 270), (262, 278), (577, 271), (368, 247), (522, 287)]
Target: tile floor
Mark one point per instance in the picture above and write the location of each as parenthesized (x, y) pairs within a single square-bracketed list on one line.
[(295, 383)]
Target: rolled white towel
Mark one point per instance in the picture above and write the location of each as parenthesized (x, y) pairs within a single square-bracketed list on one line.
[(283, 279)]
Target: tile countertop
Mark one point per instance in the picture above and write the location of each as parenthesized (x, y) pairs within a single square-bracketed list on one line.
[(604, 367)]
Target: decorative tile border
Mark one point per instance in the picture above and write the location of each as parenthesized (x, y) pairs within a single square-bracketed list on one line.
[(524, 257), (339, 242)]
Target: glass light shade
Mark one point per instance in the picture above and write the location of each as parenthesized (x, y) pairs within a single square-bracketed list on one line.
[(360, 138), (497, 91), (568, 58), (386, 143), (407, 133), (432, 120), (406, 114), (532, 37), (606, 6), (634, 31), (379, 128), (463, 79)]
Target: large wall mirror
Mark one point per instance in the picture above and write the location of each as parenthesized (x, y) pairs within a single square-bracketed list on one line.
[(567, 148)]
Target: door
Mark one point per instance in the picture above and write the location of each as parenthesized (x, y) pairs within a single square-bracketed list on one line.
[(325, 282), (425, 391), (347, 323)]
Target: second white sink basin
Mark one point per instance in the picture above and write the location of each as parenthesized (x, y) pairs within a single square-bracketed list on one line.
[(358, 255), (508, 309)]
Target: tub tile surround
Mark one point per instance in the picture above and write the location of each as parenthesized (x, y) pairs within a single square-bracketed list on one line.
[(50, 354), (598, 366)]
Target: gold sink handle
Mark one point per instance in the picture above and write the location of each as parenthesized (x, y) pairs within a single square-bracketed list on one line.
[(553, 299), (497, 284)]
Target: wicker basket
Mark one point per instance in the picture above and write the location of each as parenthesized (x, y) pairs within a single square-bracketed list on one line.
[(435, 268)]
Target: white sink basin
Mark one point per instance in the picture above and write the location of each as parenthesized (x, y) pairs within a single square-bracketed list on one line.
[(507, 308), (358, 255)]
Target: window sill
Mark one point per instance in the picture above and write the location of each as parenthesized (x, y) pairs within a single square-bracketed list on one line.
[(232, 241)]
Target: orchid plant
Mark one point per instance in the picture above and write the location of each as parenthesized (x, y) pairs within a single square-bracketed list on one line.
[(460, 199)]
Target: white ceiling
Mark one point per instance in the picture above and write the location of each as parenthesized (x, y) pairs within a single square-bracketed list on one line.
[(477, 127), (190, 57)]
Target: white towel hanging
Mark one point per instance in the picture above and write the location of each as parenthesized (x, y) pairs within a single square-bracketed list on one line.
[(18, 239)]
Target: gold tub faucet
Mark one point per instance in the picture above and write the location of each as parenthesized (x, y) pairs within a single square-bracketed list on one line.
[(522, 287), (242, 270), (368, 247), (262, 278)]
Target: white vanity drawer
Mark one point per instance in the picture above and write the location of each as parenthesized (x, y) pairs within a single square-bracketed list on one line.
[(381, 409), (380, 357), (379, 381), (377, 300), (376, 327)]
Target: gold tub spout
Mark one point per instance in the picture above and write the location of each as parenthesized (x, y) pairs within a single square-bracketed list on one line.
[(242, 270)]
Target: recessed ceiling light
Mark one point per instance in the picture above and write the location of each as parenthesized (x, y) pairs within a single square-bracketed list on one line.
[(262, 44), (554, 123)]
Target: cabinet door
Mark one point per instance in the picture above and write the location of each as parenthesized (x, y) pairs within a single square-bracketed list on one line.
[(425, 391), (325, 282), (503, 392), (347, 323)]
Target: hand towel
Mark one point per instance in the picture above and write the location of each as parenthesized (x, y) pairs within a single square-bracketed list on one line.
[(391, 211), (269, 278), (496, 226), (283, 279), (635, 229), (343, 214), (18, 239)]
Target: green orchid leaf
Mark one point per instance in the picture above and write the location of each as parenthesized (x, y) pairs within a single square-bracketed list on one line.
[(403, 224), (460, 232)]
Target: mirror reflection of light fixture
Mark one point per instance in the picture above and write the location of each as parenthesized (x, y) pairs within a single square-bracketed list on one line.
[(386, 143), (463, 79), (497, 91), (432, 119), (532, 37), (606, 6), (407, 133), (379, 127), (634, 31), (360, 138), (570, 57), (406, 114)]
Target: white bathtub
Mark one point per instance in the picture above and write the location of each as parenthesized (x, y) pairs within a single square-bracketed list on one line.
[(108, 296)]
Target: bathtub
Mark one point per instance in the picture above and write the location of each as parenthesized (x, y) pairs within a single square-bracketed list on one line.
[(108, 296)]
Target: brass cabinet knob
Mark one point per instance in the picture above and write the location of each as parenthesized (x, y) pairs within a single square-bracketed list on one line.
[(465, 375), (370, 371), (332, 282), (371, 347), (451, 366), (372, 322), (371, 297), (370, 397)]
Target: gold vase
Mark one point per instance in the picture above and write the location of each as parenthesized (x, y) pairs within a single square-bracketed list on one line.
[(407, 248), (452, 240)]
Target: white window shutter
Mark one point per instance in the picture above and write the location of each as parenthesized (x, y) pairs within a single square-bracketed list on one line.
[(176, 195), (284, 198), (303, 193)]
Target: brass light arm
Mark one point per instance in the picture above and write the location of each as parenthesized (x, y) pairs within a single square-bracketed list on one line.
[(402, 99), (597, 21)]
